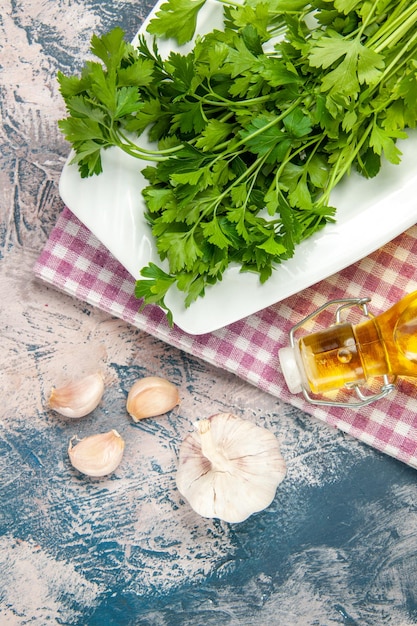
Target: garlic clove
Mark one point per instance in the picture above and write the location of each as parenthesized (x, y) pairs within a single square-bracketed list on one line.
[(97, 455), (151, 396), (229, 468), (78, 398)]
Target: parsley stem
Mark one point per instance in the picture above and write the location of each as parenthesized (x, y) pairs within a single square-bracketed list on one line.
[(133, 149), (394, 65), (238, 4), (339, 170), (393, 30), (212, 207), (259, 131), (221, 101), (367, 20)]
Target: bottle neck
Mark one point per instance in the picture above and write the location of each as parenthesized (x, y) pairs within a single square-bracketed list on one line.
[(397, 329)]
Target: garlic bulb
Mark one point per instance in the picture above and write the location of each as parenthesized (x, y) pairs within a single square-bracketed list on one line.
[(229, 468), (151, 396), (78, 398), (97, 455)]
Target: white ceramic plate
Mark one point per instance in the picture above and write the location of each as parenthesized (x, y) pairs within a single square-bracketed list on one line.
[(370, 213)]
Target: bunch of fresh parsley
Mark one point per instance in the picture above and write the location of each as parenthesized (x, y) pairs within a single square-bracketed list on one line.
[(253, 128)]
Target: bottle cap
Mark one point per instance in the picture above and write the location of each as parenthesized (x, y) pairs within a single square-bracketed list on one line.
[(290, 369)]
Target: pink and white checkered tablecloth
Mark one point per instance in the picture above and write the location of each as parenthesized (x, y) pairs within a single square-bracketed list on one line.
[(74, 261)]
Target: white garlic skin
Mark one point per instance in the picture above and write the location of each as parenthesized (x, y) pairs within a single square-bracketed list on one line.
[(78, 398), (151, 396), (97, 455), (243, 475)]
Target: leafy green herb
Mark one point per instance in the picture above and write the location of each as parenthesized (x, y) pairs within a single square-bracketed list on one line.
[(176, 19), (253, 127)]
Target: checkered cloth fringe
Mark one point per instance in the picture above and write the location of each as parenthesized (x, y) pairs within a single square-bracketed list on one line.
[(74, 261)]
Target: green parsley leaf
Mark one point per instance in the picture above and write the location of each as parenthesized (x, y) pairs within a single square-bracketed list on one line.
[(154, 288), (265, 138), (213, 133), (139, 73), (214, 234), (180, 248), (110, 48), (297, 123), (382, 141), (127, 102), (273, 246), (359, 65), (176, 19)]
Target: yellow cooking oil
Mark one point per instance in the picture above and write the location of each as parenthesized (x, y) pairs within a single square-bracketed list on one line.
[(346, 354)]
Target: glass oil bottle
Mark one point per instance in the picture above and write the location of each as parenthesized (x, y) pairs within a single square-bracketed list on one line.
[(350, 356)]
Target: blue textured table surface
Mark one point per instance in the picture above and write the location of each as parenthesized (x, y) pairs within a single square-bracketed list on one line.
[(338, 545)]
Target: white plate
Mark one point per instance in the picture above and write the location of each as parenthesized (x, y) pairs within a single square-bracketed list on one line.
[(370, 213)]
